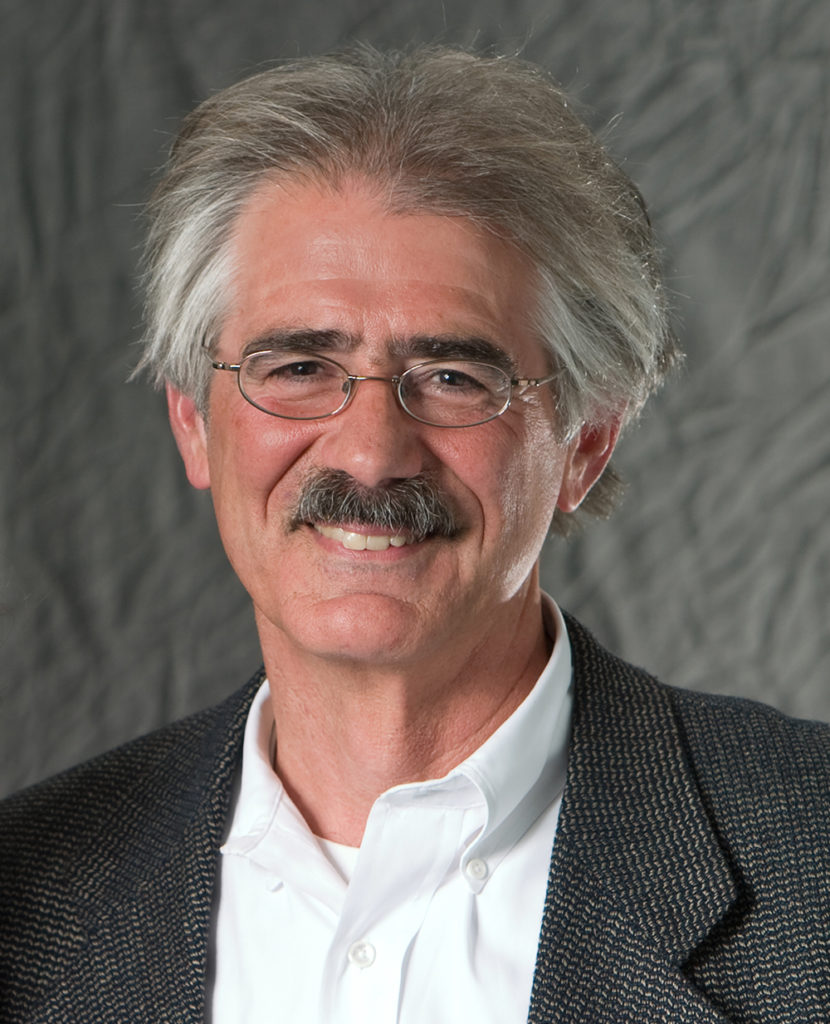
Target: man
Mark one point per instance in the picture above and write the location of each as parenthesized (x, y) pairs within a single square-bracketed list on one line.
[(402, 307)]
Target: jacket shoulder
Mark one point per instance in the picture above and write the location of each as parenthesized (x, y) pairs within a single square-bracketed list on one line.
[(706, 819), (764, 777), (758, 764), (90, 834), (67, 807), (748, 736)]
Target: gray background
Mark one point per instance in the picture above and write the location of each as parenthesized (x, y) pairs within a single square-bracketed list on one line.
[(117, 610)]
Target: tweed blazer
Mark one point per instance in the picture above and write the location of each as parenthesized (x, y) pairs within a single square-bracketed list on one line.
[(689, 882)]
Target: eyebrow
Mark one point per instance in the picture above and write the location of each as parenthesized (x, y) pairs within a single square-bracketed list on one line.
[(301, 339), (455, 346), (422, 346)]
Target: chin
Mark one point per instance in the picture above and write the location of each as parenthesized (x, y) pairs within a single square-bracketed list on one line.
[(361, 627)]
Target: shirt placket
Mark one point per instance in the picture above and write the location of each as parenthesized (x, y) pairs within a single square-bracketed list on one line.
[(412, 841)]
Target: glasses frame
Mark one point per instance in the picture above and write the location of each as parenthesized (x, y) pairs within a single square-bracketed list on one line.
[(352, 380)]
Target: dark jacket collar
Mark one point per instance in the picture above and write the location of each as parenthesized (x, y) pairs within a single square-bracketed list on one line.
[(638, 878)]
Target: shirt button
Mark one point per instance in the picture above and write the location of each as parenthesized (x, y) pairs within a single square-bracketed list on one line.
[(476, 869), (361, 954)]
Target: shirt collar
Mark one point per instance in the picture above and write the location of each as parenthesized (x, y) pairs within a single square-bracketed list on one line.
[(520, 769), (517, 772)]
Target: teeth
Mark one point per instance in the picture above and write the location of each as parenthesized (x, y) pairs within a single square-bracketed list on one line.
[(360, 541)]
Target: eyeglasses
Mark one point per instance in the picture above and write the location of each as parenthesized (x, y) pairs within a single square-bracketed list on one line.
[(440, 392)]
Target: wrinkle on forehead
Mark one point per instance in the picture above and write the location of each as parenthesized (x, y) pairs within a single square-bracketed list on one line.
[(409, 284)]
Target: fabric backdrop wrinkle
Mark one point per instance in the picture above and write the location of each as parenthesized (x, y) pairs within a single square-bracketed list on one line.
[(117, 609)]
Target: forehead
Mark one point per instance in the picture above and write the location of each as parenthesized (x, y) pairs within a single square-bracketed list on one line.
[(311, 257)]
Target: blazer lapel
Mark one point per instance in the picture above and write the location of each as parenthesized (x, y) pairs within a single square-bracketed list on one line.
[(145, 951), (638, 878), (596, 965)]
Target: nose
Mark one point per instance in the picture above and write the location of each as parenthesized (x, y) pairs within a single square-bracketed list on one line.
[(373, 439)]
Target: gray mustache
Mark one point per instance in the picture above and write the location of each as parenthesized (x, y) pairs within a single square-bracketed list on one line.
[(415, 507)]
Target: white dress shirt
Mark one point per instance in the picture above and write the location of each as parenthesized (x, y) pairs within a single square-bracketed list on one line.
[(435, 917)]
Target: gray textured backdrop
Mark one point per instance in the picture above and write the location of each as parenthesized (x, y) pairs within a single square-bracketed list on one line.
[(117, 611)]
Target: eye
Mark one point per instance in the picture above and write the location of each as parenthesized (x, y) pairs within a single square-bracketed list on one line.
[(456, 379), (281, 369), (298, 368), (459, 381)]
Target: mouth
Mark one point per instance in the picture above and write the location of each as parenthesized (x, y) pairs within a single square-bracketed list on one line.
[(354, 541), (358, 518)]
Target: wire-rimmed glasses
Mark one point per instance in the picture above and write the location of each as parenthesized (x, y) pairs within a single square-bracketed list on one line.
[(440, 392)]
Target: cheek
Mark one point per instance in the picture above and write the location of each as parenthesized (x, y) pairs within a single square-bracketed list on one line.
[(531, 490), (252, 454), (511, 475), (534, 461)]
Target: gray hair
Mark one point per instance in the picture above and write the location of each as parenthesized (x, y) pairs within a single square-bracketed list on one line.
[(493, 139)]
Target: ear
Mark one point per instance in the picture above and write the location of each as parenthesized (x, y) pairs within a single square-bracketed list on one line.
[(586, 458), (190, 432)]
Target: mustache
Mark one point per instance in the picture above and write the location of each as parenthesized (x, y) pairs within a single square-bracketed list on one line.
[(416, 506)]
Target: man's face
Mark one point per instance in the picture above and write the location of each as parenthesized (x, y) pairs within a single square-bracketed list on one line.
[(394, 289)]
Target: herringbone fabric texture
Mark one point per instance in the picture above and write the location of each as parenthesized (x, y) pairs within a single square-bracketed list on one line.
[(691, 867), (688, 883), (108, 874)]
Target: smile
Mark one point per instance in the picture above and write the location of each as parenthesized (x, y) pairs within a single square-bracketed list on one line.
[(360, 541)]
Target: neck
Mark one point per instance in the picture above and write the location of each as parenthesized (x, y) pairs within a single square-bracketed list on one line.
[(348, 731)]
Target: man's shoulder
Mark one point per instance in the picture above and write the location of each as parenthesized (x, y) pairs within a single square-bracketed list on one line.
[(703, 823), (85, 845), (156, 780), (739, 746)]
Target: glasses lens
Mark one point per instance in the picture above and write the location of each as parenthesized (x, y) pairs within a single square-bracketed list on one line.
[(293, 384), (455, 393)]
